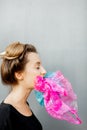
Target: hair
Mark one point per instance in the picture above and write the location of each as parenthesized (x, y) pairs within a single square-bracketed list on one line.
[(14, 60)]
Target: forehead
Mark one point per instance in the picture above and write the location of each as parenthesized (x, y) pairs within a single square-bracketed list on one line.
[(33, 58)]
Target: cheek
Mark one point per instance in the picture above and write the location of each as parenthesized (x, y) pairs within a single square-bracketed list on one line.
[(33, 73), (31, 80), (30, 76)]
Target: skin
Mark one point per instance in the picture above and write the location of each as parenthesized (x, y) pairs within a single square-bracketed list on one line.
[(26, 80)]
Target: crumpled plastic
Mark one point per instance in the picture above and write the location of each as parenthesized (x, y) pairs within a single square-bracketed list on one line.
[(55, 93)]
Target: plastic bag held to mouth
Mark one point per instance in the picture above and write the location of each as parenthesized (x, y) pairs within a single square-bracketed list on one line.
[(55, 93)]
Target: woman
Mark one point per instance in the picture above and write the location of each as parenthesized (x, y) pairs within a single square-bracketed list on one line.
[(20, 66)]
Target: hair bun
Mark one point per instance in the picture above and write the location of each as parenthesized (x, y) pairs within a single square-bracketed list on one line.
[(13, 51)]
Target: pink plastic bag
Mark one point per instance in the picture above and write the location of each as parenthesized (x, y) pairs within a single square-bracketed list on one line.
[(58, 97)]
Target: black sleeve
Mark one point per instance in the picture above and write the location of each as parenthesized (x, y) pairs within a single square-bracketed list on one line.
[(4, 118)]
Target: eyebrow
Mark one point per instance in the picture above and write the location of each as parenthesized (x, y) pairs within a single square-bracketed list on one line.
[(38, 63)]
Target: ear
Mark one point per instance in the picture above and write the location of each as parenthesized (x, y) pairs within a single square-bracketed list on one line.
[(19, 75)]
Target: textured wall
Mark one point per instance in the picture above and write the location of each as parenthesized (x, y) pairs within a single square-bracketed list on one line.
[(58, 29)]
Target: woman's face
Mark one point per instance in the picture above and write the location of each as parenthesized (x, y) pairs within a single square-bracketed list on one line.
[(33, 69)]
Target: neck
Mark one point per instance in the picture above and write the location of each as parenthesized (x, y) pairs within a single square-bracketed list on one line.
[(19, 95)]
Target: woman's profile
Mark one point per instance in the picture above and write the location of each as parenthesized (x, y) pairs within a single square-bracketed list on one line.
[(19, 68)]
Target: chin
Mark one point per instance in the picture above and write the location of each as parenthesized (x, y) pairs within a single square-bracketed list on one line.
[(31, 87)]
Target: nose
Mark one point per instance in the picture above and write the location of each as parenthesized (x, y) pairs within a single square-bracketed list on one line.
[(43, 71)]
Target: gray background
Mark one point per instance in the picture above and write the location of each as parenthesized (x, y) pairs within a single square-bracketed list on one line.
[(58, 29)]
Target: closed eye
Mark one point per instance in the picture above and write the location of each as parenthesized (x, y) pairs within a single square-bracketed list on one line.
[(38, 67)]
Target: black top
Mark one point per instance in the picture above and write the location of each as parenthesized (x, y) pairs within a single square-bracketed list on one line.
[(11, 119)]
